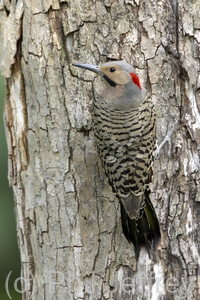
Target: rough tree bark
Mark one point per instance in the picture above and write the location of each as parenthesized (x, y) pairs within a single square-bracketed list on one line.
[(68, 222)]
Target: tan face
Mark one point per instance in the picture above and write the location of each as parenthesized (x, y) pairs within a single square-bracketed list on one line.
[(116, 74)]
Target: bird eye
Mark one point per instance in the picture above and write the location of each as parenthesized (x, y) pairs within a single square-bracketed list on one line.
[(112, 69)]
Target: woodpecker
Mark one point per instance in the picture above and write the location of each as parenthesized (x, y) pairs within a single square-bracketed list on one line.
[(125, 133)]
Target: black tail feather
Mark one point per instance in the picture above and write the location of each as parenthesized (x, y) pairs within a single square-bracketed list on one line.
[(153, 221), (130, 231), (143, 230)]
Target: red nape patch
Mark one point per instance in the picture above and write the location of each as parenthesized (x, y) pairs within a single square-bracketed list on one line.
[(135, 79)]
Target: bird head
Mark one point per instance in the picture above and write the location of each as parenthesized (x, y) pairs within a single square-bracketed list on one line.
[(123, 89)]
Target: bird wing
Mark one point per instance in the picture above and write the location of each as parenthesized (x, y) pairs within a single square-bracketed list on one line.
[(126, 144)]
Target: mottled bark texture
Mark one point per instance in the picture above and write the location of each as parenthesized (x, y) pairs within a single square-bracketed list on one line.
[(68, 221)]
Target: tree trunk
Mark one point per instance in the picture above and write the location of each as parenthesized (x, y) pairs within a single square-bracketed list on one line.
[(68, 221)]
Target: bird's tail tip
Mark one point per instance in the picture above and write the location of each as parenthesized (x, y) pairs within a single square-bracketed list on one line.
[(143, 231)]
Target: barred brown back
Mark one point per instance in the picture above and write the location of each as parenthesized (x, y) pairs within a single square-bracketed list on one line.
[(126, 143)]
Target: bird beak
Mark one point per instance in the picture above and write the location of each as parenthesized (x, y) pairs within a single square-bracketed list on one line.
[(92, 68)]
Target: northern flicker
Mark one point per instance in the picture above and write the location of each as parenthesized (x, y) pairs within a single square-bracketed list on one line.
[(125, 133)]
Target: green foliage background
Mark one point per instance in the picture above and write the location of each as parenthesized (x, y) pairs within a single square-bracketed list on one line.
[(9, 253)]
